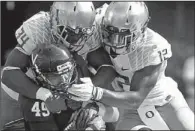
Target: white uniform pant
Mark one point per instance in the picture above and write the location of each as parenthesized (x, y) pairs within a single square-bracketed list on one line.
[(173, 114)]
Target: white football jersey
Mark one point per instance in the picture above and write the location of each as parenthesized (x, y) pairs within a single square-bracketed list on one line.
[(35, 33), (152, 50)]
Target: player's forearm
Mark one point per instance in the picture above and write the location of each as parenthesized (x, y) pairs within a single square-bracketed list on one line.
[(104, 76), (127, 100), (18, 81), (13, 76)]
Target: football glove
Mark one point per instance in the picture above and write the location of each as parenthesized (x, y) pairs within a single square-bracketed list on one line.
[(84, 116), (85, 91)]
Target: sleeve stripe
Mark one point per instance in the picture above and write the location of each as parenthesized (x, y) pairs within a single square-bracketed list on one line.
[(105, 65), (14, 95), (10, 68), (22, 50)]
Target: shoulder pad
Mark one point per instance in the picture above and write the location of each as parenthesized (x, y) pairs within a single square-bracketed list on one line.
[(154, 50)]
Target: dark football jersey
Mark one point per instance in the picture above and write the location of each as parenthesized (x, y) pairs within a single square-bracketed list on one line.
[(38, 117)]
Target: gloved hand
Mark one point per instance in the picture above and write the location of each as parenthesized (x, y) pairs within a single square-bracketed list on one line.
[(84, 116), (85, 91)]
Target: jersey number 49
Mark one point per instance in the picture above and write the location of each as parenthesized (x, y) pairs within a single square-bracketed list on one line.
[(40, 109)]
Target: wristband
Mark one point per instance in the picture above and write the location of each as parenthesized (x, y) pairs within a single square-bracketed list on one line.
[(97, 93)]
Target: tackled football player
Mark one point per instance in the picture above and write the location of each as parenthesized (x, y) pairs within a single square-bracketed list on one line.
[(150, 100), (55, 68), (69, 23)]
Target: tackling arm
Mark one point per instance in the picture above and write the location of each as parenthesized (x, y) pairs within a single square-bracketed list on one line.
[(142, 83), (14, 76)]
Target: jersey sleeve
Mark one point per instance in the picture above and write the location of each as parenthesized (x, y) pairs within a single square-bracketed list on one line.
[(154, 51), (33, 33)]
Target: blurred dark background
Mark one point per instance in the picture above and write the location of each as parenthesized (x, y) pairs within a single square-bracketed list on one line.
[(173, 20)]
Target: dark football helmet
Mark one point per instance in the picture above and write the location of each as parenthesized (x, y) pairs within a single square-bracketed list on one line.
[(54, 68)]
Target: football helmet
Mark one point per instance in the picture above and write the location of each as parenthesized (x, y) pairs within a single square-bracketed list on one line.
[(72, 23), (54, 68), (124, 23)]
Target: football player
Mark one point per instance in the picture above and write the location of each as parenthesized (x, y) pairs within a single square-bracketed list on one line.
[(70, 24), (149, 99), (54, 69)]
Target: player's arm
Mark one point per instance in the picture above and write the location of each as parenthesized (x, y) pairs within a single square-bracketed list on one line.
[(100, 61), (98, 58), (142, 82), (14, 76)]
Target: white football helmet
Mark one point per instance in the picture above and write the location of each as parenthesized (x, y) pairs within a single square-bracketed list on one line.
[(123, 24), (72, 23)]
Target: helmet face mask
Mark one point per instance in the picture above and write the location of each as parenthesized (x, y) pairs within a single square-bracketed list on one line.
[(72, 38), (72, 23), (123, 25), (116, 38)]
